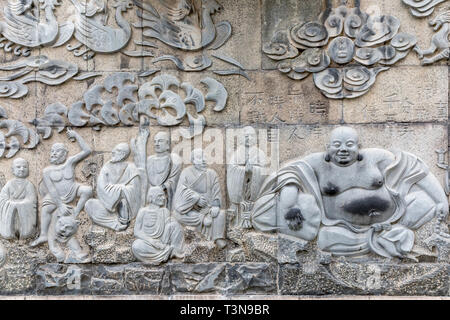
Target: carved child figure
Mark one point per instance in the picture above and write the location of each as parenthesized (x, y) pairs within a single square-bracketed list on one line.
[(59, 188), (159, 236), (18, 201)]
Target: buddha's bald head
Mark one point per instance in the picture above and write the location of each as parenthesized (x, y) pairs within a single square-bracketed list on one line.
[(343, 148), (156, 195)]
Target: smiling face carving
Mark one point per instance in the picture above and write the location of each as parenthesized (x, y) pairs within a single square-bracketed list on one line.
[(343, 148)]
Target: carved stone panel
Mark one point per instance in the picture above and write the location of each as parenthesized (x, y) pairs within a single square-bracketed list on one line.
[(224, 148)]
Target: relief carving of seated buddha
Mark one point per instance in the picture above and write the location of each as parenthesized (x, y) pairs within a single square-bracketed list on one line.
[(367, 200)]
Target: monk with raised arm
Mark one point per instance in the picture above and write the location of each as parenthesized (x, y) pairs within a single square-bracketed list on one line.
[(58, 186)]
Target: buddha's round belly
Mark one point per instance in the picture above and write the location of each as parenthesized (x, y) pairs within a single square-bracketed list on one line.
[(360, 206)]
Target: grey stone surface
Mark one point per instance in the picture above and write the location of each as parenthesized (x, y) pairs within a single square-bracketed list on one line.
[(134, 82)]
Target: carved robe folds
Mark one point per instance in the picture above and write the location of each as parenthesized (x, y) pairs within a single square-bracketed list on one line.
[(18, 215), (119, 197), (159, 237), (164, 172), (244, 185), (194, 184)]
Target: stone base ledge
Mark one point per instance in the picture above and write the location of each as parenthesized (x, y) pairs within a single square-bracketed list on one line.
[(219, 297)]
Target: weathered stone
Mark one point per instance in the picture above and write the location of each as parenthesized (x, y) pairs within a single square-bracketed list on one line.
[(140, 279), (198, 278), (54, 279), (290, 249), (252, 278)]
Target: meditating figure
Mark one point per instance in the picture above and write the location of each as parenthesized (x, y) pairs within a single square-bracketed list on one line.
[(59, 188), (159, 236), (118, 192), (18, 204), (197, 201), (245, 175), (368, 200)]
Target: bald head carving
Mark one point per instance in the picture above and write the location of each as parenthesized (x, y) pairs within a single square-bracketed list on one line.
[(343, 148)]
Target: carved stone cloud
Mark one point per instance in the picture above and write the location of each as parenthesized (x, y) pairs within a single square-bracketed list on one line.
[(328, 48)]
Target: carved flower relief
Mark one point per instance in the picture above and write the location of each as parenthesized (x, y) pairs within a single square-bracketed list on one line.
[(346, 36)]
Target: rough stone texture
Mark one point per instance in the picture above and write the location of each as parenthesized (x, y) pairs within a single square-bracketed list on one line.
[(407, 108)]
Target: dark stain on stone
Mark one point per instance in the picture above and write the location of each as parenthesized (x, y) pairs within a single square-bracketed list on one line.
[(367, 206)]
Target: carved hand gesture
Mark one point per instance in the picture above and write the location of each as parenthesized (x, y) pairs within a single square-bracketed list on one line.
[(72, 135), (202, 202)]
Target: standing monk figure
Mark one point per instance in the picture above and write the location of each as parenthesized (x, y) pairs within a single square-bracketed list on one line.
[(58, 186), (245, 176), (164, 168)]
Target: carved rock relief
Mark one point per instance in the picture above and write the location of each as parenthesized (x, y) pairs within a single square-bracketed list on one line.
[(344, 49), (422, 8), (185, 25), (310, 199), (440, 24), (154, 99), (294, 201)]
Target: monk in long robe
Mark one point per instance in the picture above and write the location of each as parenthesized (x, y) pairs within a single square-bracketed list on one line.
[(164, 168), (197, 201), (18, 201), (118, 192), (245, 175), (159, 236)]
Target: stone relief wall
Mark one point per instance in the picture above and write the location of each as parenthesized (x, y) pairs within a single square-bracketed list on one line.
[(178, 147)]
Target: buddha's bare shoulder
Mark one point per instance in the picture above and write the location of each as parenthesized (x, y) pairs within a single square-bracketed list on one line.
[(314, 159), (377, 154)]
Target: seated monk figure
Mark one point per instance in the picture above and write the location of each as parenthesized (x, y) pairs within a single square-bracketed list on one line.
[(159, 236), (197, 200), (18, 202), (367, 200), (118, 192)]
